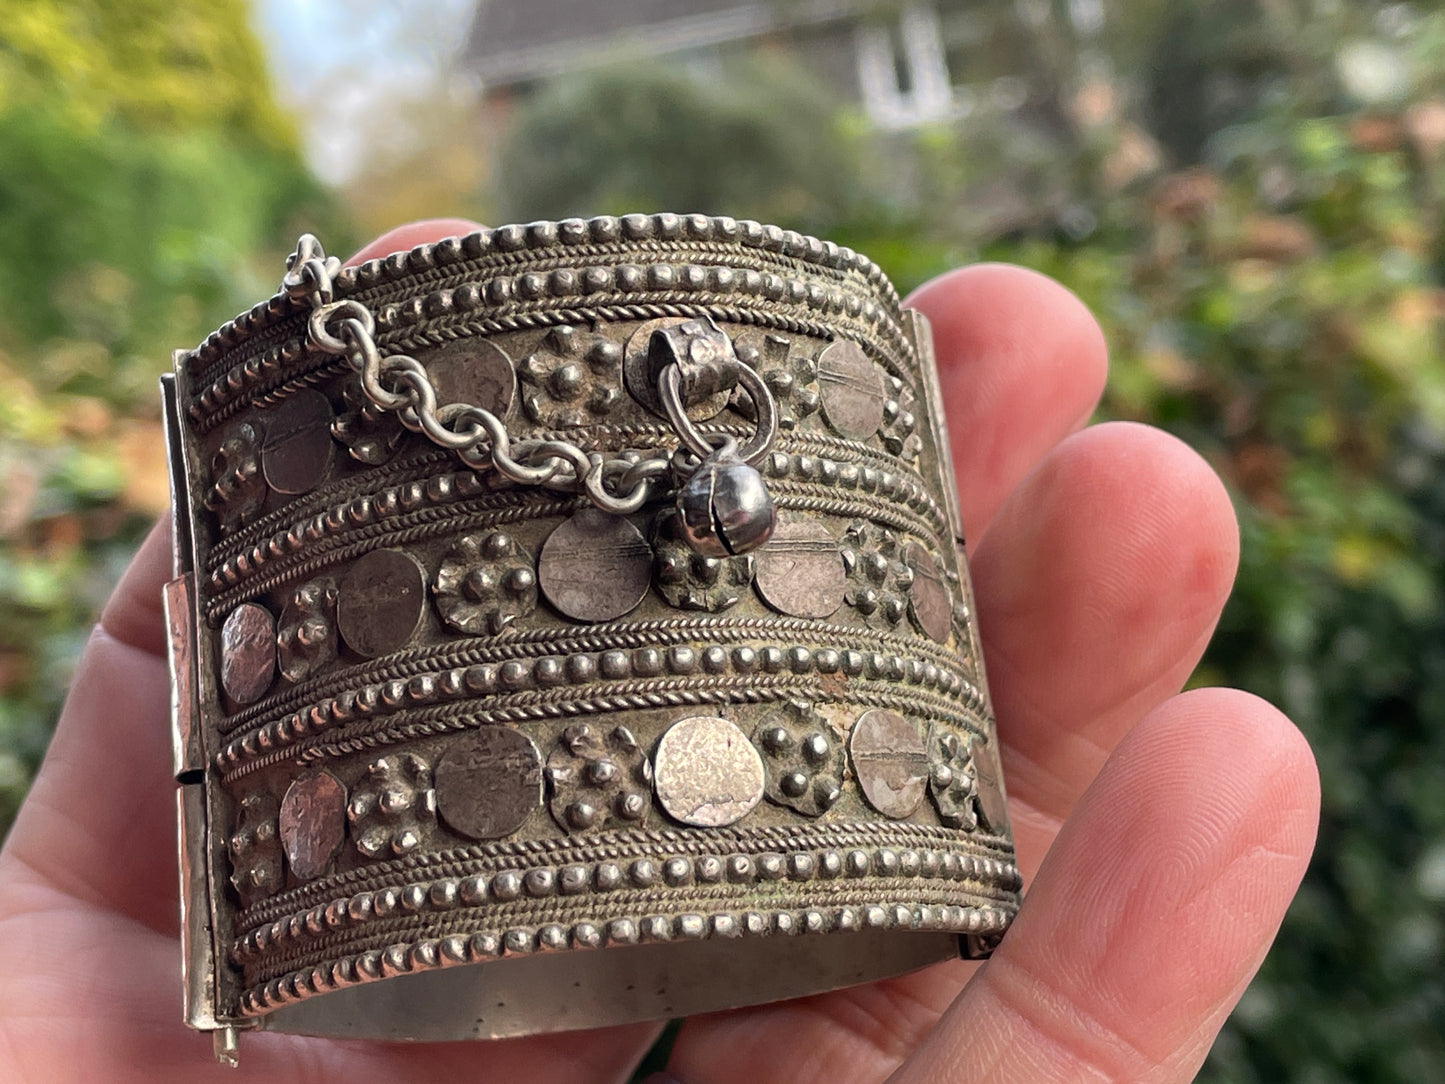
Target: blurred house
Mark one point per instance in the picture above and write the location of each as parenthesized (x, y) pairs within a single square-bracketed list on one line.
[(891, 58)]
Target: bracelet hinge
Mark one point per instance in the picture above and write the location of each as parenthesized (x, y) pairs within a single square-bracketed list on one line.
[(200, 978)]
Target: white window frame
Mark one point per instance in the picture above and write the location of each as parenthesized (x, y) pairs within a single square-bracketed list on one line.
[(930, 96)]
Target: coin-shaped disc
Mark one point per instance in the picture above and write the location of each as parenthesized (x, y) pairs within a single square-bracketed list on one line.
[(473, 371), (800, 570), (992, 802), (707, 773), (929, 604), (595, 567), (890, 760), (488, 782), (297, 448), (313, 823), (851, 389), (248, 652), (380, 601)]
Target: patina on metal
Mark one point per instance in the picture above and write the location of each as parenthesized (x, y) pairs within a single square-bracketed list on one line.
[(595, 566), (890, 760), (248, 652), (489, 782), (297, 447), (313, 823), (381, 601), (589, 585)]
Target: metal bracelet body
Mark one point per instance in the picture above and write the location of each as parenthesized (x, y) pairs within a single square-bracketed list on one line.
[(582, 585)]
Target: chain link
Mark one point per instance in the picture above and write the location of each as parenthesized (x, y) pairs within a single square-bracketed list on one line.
[(399, 384)]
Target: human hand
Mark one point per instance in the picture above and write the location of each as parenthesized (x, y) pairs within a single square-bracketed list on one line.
[(1161, 836)]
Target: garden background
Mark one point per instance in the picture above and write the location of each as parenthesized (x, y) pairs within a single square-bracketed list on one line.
[(1247, 192)]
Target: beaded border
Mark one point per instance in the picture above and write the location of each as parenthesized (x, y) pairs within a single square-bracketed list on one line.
[(568, 234)]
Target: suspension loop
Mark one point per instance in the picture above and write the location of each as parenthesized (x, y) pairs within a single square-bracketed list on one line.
[(309, 272), (698, 442)]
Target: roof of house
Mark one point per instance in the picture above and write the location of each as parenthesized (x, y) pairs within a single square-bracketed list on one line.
[(513, 40)]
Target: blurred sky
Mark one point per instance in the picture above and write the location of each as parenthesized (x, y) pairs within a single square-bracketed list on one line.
[(346, 67)]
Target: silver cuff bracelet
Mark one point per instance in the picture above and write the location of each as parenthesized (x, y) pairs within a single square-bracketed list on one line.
[(571, 627)]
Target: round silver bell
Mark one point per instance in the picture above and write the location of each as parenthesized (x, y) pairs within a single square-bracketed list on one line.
[(725, 509)]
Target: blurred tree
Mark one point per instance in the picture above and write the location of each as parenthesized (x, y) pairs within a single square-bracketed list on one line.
[(713, 141), (142, 163), (162, 64)]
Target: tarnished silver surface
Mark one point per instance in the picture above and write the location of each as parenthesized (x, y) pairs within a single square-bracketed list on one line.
[(313, 823), (493, 658), (485, 583), (380, 602), (640, 376), (254, 847), (690, 580), (992, 804), (599, 780), (489, 782), (519, 996), (572, 379), (199, 970), (953, 780), (851, 390), (473, 371), (706, 363), (297, 448), (179, 604), (595, 567), (890, 760), (929, 604), (306, 637), (804, 759), (800, 571), (393, 806)]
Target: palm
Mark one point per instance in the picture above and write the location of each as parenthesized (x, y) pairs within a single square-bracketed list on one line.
[(1175, 827)]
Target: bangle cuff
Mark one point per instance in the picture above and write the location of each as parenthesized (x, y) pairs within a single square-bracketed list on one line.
[(480, 665)]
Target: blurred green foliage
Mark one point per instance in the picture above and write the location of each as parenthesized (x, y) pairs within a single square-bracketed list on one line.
[(147, 181), (668, 139), (1249, 196)]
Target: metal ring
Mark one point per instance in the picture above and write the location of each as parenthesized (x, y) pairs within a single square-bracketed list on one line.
[(751, 453), (318, 324), (308, 271), (460, 420)]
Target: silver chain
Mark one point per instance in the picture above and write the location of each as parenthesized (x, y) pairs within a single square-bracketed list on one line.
[(399, 384)]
